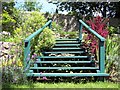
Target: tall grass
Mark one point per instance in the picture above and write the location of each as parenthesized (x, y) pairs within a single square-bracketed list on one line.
[(112, 56)]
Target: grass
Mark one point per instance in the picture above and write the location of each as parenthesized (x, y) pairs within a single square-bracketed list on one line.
[(69, 85)]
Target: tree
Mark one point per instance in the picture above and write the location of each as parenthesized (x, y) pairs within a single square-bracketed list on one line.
[(8, 6), (107, 9), (8, 19), (29, 5), (117, 9), (8, 23)]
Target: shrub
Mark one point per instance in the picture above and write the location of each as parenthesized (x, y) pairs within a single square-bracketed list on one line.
[(72, 34), (112, 30), (30, 23), (46, 40), (35, 21), (13, 75), (112, 57), (8, 22), (64, 34), (99, 25)]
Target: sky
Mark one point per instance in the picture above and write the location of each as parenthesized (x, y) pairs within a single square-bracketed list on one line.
[(46, 7), (49, 7)]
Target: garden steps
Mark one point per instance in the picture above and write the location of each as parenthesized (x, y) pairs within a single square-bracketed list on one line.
[(80, 59), (67, 55)]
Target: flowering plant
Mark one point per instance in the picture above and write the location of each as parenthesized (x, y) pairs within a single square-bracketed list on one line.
[(99, 25)]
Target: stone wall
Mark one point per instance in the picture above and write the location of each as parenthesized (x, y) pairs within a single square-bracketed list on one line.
[(5, 48), (70, 22), (114, 22)]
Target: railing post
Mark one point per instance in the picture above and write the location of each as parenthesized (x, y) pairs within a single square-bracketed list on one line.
[(80, 32), (50, 25), (26, 53), (101, 56)]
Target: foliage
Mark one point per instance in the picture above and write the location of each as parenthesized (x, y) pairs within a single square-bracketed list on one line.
[(112, 30), (56, 27), (10, 17), (30, 5), (72, 34), (112, 57), (13, 75), (99, 25), (46, 40), (109, 9), (26, 27), (64, 34), (7, 22), (11, 64), (8, 7)]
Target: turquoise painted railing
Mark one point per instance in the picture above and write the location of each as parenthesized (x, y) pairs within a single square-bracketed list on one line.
[(101, 45), (27, 43)]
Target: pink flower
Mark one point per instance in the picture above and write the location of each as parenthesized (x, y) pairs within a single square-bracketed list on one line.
[(40, 72), (44, 78), (34, 56)]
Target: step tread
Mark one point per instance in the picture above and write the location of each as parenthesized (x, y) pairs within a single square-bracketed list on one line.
[(64, 56), (67, 74), (67, 44), (62, 62), (67, 48), (63, 52), (64, 68), (67, 39)]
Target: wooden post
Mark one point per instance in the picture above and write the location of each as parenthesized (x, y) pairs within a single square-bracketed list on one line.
[(101, 56), (26, 53), (80, 32)]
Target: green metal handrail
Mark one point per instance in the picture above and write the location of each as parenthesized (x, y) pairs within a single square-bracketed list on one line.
[(101, 44), (27, 43)]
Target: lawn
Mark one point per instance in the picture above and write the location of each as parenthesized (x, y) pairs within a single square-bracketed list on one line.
[(69, 85)]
